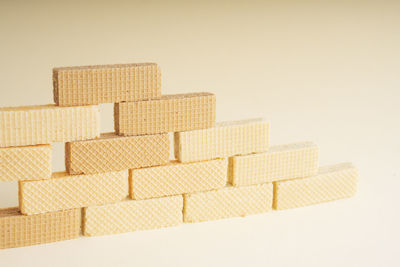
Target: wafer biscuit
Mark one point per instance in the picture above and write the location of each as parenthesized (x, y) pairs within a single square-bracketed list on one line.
[(227, 202), (331, 183), (88, 85), (171, 113), (226, 139), (18, 230), (177, 178), (133, 215), (25, 163), (114, 153), (64, 191), (31, 125), (278, 163)]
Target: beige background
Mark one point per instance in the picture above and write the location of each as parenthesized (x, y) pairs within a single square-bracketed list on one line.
[(326, 71)]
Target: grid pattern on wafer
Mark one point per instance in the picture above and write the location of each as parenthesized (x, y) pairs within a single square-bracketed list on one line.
[(115, 153), (133, 215), (87, 85), (224, 140), (18, 230), (46, 124), (171, 113), (227, 202), (25, 163), (278, 163), (64, 191), (331, 183), (177, 178)]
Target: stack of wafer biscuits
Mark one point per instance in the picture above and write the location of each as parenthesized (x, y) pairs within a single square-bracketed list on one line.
[(125, 181)]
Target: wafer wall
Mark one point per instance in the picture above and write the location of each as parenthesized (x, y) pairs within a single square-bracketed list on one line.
[(127, 181)]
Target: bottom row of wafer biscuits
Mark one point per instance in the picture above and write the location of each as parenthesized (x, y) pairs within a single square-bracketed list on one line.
[(330, 183)]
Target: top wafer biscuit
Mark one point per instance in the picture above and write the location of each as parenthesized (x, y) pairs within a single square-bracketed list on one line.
[(87, 85)]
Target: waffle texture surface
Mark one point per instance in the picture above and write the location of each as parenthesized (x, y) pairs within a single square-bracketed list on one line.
[(226, 139), (115, 153), (32, 125), (331, 183), (133, 215), (88, 85), (227, 202), (278, 163), (64, 191), (18, 230), (177, 178), (171, 113), (25, 163)]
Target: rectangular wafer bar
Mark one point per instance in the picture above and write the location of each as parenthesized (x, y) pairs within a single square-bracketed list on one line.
[(278, 163), (171, 113), (25, 163), (114, 153), (17, 230), (88, 85), (31, 125), (177, 178), (133, 215), (64, 191), (227, 202), (331, 183), (226, 139)]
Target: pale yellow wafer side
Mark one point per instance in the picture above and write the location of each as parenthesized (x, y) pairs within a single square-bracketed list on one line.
[(133, 215), (17, 230), (224, 140), (114, 153), (65, 191), (88, 85), (331, 183), (227, 202), (25, 163), (177, 178), (31, 125), (171, 113), (278, 163)]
